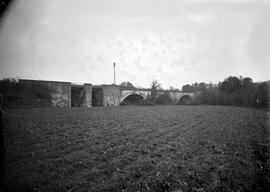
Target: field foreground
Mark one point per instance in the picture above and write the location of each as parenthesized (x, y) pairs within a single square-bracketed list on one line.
[(157, 148)]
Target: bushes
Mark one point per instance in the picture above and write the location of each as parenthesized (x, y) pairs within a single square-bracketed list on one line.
[(163, 100)]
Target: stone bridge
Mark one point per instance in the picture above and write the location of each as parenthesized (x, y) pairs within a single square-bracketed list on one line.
[(66, 94), (174, 95)]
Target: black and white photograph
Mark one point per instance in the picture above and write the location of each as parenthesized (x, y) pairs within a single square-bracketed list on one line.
[(134, 95)]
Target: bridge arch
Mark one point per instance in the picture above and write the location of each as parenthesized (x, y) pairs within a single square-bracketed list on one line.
[(126, 93), (185, 100), (131, 99)]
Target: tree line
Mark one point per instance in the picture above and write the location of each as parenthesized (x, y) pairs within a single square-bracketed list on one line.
[(234, 91)]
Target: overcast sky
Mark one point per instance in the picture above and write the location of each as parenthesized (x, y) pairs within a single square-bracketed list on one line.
[(174, 41)]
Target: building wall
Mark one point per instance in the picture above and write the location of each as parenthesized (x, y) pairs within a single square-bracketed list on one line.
[(61, 91), (111, 95), (62, 94), (87, 89)]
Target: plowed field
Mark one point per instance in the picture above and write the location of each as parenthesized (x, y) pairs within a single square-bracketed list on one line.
[(155, 148)]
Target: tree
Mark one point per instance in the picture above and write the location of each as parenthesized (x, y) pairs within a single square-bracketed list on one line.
[(261, 95), (202, 87), (172, 88), (187, 88), (247, 91), (154, 87), (230, 84), (246, 81), (126, 84)]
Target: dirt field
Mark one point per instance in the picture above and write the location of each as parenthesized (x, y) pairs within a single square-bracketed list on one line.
[(157, 148)]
